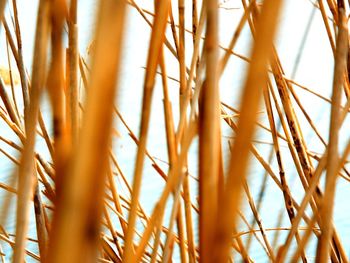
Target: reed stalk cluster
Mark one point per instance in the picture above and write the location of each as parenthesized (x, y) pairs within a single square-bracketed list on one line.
[(86, 209)]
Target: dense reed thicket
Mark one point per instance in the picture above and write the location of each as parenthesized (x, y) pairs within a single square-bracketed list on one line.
[(88, 209)]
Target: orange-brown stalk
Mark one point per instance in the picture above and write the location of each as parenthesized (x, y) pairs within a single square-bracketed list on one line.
[(26, 169), (209, 137), (257, 77), (327, 205), (155, 49), (77, 220)]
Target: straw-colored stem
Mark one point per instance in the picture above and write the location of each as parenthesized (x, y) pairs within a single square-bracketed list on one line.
[(40, 222), (166, 42), (194, 63), (20, 63), (327, 204), (181, 51), (79, 208), (14, 99), (173, 30), (209, 140), (172, 153), (2, 8), (286, 190), (176, 210), (257, 76), (235, 37), (26, 169), (116, 198), (307, 197), (258, 219), (45, 134), (325, 21), (8, 104), (174, 181), (157, 39), (55, 87), (304, 240), (194, 19), (308, 118), (113, 231), (73, 69)]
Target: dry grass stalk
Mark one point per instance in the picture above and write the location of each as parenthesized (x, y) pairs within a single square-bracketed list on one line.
[(2, 8), (78, 212), (26, 169), (327, 204), (209, 136), (257, 77), (73, 56), (155, 50)]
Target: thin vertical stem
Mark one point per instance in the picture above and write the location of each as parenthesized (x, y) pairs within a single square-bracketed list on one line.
[(20, 63), (327, 205), (78, 215), (157, 39), (209, 136), (26, 169), (73, 69), (257, 77)]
